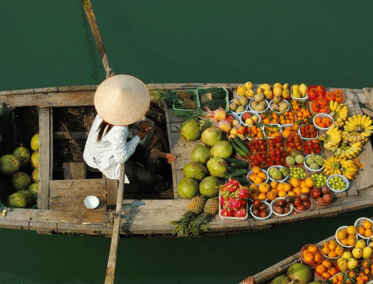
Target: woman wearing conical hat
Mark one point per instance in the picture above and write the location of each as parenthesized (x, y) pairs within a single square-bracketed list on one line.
[(120, 101)]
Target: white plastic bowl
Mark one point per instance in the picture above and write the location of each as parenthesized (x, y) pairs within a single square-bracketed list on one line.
[(343, 178), (336, 232), (308, 168), (359, 222), (91, 202), (322, 115), (235, 112), (263, 170), (252, 113), (278, 167), (283, 100), (303, 99), (269, 208), (258, 111), (281, 215), (304, 138)]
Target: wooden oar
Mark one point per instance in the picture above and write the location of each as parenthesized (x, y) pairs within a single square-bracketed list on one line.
[(110, 270), (87, 5)]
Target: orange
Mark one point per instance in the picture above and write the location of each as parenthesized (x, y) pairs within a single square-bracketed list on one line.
[(274, 184), (280, 186), (361, 230), (312, 248), (258, 180), (332, 254), (256, 170), (367, 224), (318, 257), (351, 230), (327, 263), (291, 193), (309, 182), (368, 232), (308, 257), (305, 189), (342, 234), (281, 193), (262, 175), (262, 196), (326, 275), (351, 241), (264, 187), (333, 242), (344, 242), (271, 195), (332, 271), (295, 182), (275, 191), (287, 187), (297, 190), (332, 246), (252, 177), (302, 183), (325, 250), (339, 250), (320, 269)]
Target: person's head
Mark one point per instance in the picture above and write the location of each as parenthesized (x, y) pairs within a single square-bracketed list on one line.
[(120, 100)]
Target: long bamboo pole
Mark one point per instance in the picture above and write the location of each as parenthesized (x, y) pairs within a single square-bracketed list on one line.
[(110, 270), (87, 5)]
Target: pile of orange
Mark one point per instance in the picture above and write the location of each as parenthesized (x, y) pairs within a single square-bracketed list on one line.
[(257, 175), (301, 186), (301, 112), (260, 191), (332, 249), (347, 237), (270, 117), (287, 118), (254, 132), (279, 189), (323, 122), (326, 269), (272, 131), (338, 279), (365, 229), (311, 255), (290, 130)]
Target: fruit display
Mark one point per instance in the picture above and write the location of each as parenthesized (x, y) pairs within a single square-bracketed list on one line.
[(357, 128), (339, 112), (346, 236), (302, 113), (233, 200), (258, 145), (299, 91), (348, 150), (302, 202), (258, 103), (364, 227), (281, 207), (255, 132), (323, 121), (314, 162), (294, 142), (278, 173), (279, 105), (311, 255), (312, 146), (321, 196), (258, 159), (319, 179), (297, 172), (276, 157), (331, 249), (257, 175), (341, 166), (239, 104), (250, 118), (275, 144), (308, 131), (272, 130), (336, 183), (260, 209), (326, 270)]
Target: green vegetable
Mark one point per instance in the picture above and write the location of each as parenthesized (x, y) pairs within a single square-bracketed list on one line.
[(242, 145), (238, 150), (237, 173), (243, 181)]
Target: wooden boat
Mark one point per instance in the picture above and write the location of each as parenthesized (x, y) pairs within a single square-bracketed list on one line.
[(60, 206)]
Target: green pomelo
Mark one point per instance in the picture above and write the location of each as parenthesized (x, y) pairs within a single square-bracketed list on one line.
[(200, 153), (195, 170), (30, 197), (35, 142), (35, 175), (209, 186), (217, 167), (187, 188), (190, 130), (210, 136), (22, 154), (21, 181), (17, 200), (280, 279), (299, 273), (34, 189), (9, 164), (35, 159), (222, 149)]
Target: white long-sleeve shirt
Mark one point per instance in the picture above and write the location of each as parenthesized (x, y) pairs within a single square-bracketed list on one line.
[(113, 149)]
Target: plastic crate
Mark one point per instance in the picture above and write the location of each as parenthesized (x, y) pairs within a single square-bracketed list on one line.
[(215, 91), (180, 111)]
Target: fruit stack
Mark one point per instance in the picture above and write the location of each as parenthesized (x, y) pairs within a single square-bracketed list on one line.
[(233, 200)]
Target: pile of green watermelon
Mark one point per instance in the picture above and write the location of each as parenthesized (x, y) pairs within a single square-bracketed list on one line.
[(24, 185)]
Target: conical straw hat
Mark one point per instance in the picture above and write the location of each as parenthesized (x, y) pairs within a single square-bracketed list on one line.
[(121, 100)]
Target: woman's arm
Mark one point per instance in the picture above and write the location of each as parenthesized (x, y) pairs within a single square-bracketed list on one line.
[(122, 149)]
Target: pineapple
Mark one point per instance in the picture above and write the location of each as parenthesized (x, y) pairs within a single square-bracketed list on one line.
[(212, 206), (182, 95), (196, 204), (188, 104), (210, 209)]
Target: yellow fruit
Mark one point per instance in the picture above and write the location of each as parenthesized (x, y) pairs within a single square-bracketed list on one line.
[(287, 187), (332, 254), (273, 184), (361, 230), (256, 170), (309, 182), (295, 182), (297, 190), (332, 246), (241, 90), (264, 187), (325, 250), (258, 180), (305, 189), (262, 175), (291, 193), (282, 193), (342, 234), (368, 233), (367, 224), (344, 242), (262, 196), (280, 186), (351, 241), (339, 250)]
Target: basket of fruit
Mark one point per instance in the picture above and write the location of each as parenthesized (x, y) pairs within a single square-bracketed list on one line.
[(233, 209), (257, 146), (308, 132), (282, 206), (294, 142), (332, 250), (337, 279), (319, 179), (272, 130), (337, 183), (364, 227), (302, 203), (258, 159), (326, 270), (299, 92), (260, 210), (276, 157), (278, 173), (311, 255), (249, 118), (255, 193), (238, 105), (275, 144), (346, 236), (312, 146), (258, 104), (257, 175), (321, 195), (314, 162), (323, 121)]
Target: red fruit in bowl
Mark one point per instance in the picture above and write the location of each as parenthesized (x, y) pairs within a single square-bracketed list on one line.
[(257, 203), (262, 207), (325, 190), (315, 193), (281, 202), (263, 214), (303, 197), (226, 212), (320, 201), (246, 115), (240, 213), (307, 204), (301, 207), (297, 201), (256, 211), (327, 198)]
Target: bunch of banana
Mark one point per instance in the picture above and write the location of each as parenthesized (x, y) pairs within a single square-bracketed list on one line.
[(358, 128), (332, 137), (341, 166), (348, 150), (339, 112)]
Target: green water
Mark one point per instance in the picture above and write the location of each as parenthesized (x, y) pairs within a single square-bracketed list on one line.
[(48, 43)]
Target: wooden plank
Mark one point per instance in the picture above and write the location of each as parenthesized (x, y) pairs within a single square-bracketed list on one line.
[(74, 203), (111, 190), (11, 224), (89, 229), (74, 170), (72, 217), (77, 187), (44, 157), (177, 175), (43, 226), (50, 99), (175, 126)]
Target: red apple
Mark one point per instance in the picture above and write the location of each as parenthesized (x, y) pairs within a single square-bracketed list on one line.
[(315, 193), (246, 115)]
